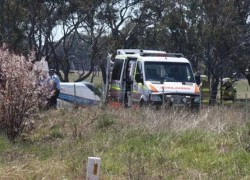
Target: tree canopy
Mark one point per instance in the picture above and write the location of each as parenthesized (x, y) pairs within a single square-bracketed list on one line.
[(214, 35)]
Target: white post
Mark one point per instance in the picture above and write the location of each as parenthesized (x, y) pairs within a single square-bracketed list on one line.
[(93, 168)]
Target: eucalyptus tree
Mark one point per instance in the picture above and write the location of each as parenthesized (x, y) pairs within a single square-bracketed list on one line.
[(90, 31), (221, 35), (29, 26), (174, 28), (125, 21), (12, 27)]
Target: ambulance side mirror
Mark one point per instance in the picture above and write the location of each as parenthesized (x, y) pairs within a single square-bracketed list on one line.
[(198, 79), (139, 78)]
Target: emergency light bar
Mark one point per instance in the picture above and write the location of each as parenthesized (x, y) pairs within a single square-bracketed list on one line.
[(128, 51), (175, 55), (148, 53), (139, 51)]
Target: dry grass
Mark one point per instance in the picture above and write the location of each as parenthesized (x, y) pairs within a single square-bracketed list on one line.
[(133, 144), (34, 169), (212, 119)]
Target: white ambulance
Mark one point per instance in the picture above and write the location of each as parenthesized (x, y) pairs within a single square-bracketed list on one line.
[(153, 77)]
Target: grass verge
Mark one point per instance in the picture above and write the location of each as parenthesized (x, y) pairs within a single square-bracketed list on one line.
[(133, 144)]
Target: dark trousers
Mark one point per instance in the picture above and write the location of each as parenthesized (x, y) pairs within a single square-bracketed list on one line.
[(53, 99)]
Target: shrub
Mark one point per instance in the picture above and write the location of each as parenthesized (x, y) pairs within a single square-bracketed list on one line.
[(20, 92)]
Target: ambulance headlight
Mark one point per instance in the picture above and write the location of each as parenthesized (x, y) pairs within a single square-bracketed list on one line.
[(155, 97), (197, 99)]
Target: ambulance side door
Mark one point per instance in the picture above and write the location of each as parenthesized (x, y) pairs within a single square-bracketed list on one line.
[(116, 88), (138, 83)]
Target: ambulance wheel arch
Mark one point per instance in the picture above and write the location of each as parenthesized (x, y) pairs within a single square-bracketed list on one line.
[(142, 103), (143, 100)]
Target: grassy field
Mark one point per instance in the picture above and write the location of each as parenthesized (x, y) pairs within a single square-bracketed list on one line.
[(132, 143)]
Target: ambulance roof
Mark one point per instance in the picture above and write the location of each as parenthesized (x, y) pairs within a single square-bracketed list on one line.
[(151, 55), (154, 58), (164, 59)]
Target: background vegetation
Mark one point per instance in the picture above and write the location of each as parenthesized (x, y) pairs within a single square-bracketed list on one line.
[(212, 34), (21, 92)]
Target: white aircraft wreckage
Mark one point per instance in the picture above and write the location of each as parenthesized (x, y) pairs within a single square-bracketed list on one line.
[(73, 93), (78, 94)]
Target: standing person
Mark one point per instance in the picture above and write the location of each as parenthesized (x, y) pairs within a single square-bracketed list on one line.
[(55, 88)]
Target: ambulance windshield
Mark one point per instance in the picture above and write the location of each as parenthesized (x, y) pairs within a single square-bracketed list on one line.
[(168, 72)]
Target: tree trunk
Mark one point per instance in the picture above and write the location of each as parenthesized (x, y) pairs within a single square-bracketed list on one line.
[(103, 70)]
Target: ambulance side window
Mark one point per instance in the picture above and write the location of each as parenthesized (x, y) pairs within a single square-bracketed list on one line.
[(138, 75), (117, 69), (139, 68), (131, 66)]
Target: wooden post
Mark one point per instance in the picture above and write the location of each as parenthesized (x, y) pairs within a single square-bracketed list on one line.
[(93, 168)]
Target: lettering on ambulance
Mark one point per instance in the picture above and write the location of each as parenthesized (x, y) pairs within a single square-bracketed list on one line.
[(176, 88), (154, 88)]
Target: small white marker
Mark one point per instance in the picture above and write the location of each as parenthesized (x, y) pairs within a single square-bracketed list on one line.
[(93, 168)]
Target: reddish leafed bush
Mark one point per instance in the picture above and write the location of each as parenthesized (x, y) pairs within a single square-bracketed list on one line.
[(21, 92)]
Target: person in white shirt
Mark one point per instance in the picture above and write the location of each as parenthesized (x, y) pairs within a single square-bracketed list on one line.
[(55, 88)]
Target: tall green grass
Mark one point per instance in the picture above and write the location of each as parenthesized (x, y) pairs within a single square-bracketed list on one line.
[(132, 143)]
